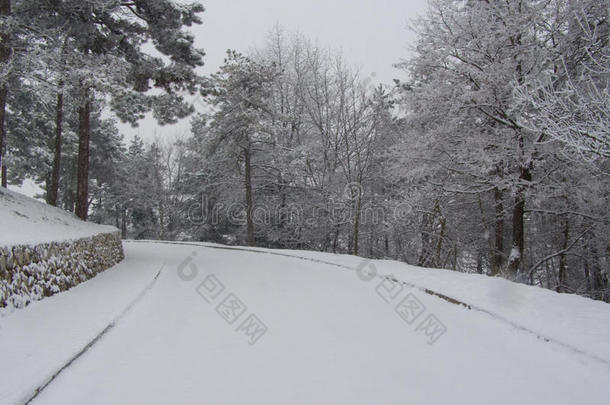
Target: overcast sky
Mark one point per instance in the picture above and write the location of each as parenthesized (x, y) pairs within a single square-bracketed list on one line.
[(372, 34)]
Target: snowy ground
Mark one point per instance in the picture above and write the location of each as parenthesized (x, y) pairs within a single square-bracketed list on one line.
[(27, 221), (332, 337)]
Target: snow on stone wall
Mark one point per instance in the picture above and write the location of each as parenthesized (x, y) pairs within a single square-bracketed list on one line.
[(30, 273)]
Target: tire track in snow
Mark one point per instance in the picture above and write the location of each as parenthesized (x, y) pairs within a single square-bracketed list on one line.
[(44, 384), (425, 290)]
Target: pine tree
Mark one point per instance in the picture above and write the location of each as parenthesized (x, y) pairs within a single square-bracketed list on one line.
[(241, 91), (108, 36), (5, 53)]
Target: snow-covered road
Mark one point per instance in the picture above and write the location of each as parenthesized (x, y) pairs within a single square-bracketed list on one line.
[(237, 327)]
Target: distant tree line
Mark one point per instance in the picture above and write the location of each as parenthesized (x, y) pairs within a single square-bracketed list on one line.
[(490, 157)]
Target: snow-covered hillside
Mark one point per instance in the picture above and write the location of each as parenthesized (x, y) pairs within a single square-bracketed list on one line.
[(24, 220), (185, 324)]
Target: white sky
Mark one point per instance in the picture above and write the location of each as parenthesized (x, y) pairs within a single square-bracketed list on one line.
[(372, 35)]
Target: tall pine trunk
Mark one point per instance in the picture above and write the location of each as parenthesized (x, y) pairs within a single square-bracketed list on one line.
[(3, 93), (54, 186), (82, 182), (249, 207), (5, 54), (123, 221)]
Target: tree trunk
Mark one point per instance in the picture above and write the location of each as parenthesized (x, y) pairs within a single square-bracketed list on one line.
[(117, 217), (562, 258), (480, 261), (123, 222), (516, 254), (357, 222), (386, 245), (3, 93), (498, 253), (336, 239), (425, 254), (599, 283), (5, 54), (69, 195), (439, 245), (587, 274), (249, 208), (350, 242), (54, 186), (161, 208), (82, 182)]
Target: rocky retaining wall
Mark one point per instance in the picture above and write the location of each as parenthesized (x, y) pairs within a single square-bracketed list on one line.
[(29, 273)]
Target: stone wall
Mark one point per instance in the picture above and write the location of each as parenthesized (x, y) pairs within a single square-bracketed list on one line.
[(30, 273)]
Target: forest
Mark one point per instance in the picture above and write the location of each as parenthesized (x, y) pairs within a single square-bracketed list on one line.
[(488, 154)]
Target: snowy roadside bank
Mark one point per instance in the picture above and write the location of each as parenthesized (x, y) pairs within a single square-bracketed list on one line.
[(45, 250), (25, 221)]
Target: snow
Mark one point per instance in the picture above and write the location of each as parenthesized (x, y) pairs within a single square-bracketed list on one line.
[(28, 188), (331, 337), (515, 254), (24, 220), (571, 320)]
